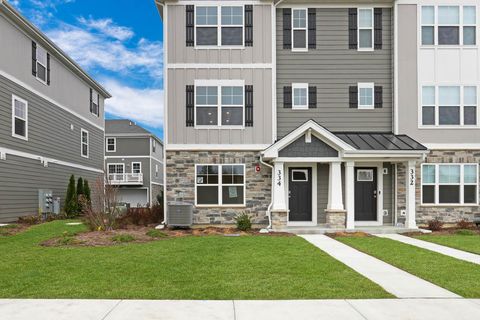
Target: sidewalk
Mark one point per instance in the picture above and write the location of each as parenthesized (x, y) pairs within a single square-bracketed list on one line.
[(396, 281), (454, 253), (396, 309)]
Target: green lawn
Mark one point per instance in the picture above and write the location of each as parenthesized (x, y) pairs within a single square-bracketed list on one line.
[(452, 274), (209, 267), (470, 243)]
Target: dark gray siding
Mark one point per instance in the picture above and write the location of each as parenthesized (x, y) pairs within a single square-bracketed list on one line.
[(49, 129), (128, 167), (131, 146), (316, 148), (332, 67), (159, 178), (322, 192), (388, 193), (22, 177)]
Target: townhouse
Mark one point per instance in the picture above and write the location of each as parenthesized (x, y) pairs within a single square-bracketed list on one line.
[(324, 114), (51, 118), (134, 162)]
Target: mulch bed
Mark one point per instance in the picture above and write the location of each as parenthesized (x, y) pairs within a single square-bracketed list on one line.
[(139, 235), (13, 229), (348, 234)]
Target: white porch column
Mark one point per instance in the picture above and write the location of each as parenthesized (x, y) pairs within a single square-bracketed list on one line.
[(335, 201), (279, 203), (410, 194), (350, 194)]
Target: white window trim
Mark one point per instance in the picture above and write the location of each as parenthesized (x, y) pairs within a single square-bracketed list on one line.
[(219, 84), (154, 145), (437, 124), (43, 65), (366, 85), (220, 185), (364, 28), (365, 170), (15, 98), (82, 131), (306, 31), (300, 170), (96, 100), (115, 164), (437, 183), (219, 27), (299, 86), (435, 25), (139, 163), (114, 144), (156, 170)]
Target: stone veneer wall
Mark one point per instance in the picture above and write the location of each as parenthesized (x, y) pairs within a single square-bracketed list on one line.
[(181, 184), (448, 214)]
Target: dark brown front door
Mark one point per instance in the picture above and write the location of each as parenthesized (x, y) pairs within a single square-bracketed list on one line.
[(300, 194), (365, 194)]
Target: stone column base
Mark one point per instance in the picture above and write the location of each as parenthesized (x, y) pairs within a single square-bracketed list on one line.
[(279, 219), (336, 219)]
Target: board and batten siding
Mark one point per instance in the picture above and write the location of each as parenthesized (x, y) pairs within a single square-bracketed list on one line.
[(260, 133), (260, 52), (65, 87), (332, 67), (21, 178), (49, 129)]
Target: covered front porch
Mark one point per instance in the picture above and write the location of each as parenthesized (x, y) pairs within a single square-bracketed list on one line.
[(342, 181)]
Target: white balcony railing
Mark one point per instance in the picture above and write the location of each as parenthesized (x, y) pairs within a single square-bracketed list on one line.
[(125, 178)]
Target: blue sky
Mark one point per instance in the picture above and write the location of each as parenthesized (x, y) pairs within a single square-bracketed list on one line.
[(119, 43)]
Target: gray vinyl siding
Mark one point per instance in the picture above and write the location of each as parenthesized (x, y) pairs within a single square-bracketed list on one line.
[(22, 178), (332, 68), (178, 52), (322, 191), (260, 133), (66, 88), (159, 150), (128, 168), (131, 146), (388, 193), (49, 129), (158, 179)]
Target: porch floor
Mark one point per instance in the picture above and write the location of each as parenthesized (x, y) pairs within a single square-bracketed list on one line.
[(322, 229)]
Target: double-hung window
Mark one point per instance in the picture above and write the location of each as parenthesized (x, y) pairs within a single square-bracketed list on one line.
[(300, 96), (19, 118), (214, 31), (116, 171), (365, 29), (449, 184), (41, 64), (94, 103), (299, 30), (111, 144), (449, 106), (220, 185), (154, 145), (136, 168), (366, 97), (84, 143)]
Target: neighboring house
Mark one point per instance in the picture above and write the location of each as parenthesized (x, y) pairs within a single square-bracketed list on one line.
[(134, 162), (51, 118), (321, 94)]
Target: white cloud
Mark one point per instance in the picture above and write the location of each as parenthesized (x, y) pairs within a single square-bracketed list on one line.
[(51, 4), (108, 28), (142, 105)]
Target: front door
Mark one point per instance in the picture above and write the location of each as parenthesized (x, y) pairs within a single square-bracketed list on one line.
[(300, 194), (365, 194)]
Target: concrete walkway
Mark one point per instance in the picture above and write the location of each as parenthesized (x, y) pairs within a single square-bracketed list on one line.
[(455, 253), (396, 281), (396, 309)]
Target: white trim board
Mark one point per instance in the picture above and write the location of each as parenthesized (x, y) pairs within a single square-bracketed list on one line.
[(216, 147), (133, 157), (452, 146), (41, 95)]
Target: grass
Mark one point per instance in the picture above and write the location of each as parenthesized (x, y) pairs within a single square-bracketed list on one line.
[(154, 233), (452, 274), (123, 238), (208, 267), (467, 241)]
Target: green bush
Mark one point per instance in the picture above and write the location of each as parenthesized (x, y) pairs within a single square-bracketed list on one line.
[(71, 200), (465, 232), (244, 222), (154, 233), (123, 238), (80, 187), (86, 191)]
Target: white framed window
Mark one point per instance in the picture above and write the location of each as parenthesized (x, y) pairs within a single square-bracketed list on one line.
[(116, 171), (219, 103), (136, 167), (449, 25), (19, 118), (449, 184), (154, 145), (220, 185), (299, 29), (299, 175), (85, 141), (449, 106), (219, 26), (300, 96), (366, 97), (156, 170), (365, 29), (111, 144), (95, 107), (41, 64), (365, 175)]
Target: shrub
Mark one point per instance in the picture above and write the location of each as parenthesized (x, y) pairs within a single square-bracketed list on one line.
[(86, 191), (103, 213), (123, 238), (154, 233), (142, 216), (465, 232), (67, 238), (71, 200), (244, 222), (435, 225), (80, 187), (30, 220), (464, 224)]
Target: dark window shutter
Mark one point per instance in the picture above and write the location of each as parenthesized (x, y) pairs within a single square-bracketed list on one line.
[(34, 58), (378, 97), (190, 25), (352, 28), (91, 100), (287, 97), (377, 28), (249, 106), (48, 68), (353, 96), (190, 104), (248, 25), (287, 28), (312, 28), (312, 97)]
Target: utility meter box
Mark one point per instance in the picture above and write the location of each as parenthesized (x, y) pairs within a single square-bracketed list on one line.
[(45, 201)]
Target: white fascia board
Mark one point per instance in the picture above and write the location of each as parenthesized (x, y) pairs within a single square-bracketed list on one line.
[(216, 147), (452, 146)]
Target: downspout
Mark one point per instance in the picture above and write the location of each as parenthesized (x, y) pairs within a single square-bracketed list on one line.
[(269, 209)]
